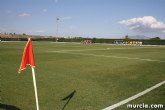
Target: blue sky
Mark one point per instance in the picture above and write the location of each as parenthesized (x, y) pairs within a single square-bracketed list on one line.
[(85, 18)]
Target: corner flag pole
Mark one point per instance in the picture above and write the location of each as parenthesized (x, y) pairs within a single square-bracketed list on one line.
[(35, 88), (28, 59)]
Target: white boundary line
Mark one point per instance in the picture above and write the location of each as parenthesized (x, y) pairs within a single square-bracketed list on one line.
[(108, 56), (134, 97), (76, 50), (119, 57), (99, 49)]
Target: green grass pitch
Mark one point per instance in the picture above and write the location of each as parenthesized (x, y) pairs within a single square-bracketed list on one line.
[(102, 75)]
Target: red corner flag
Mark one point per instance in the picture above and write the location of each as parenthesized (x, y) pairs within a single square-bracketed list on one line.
[(28, 57)]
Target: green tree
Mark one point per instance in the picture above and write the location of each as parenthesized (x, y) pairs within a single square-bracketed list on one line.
[(94, 40), (155, 38)]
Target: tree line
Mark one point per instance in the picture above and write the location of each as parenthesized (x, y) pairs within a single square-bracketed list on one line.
[(152, 41)]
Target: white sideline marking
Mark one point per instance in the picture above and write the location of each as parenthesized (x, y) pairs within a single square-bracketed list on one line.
[(115, 57), (108, 56), (91, 49), (76, 50), (99, 49), (134, 97)]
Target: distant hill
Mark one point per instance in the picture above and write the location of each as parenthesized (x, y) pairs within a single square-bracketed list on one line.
[(138, 37)]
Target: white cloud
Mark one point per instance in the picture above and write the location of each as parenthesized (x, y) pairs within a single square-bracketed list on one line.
[(44, 10), (144, 24), (24, 14)]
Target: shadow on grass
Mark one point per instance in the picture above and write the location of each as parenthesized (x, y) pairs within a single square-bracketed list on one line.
[(68, 97), (8, 107)]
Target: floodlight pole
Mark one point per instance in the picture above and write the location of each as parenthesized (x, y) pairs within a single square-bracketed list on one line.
[(57, 19)]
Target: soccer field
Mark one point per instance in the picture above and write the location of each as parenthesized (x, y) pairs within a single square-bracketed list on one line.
[(101, 75)]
